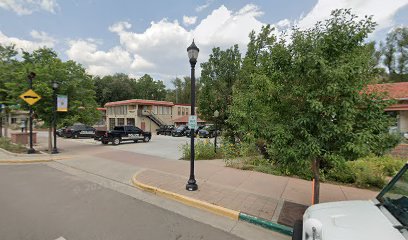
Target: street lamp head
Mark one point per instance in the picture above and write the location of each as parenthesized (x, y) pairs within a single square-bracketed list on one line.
[(193, 52), (31, 75), (54, 85), (216, 113)]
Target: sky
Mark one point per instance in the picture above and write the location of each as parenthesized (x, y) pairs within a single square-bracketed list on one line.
[(151, 37)]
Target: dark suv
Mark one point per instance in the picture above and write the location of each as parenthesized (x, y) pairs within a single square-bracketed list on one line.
[(165, 130), (180, 131), (79, 130), (208, 131), (188, 132)]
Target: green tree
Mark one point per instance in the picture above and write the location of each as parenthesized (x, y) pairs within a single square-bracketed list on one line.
[(147, 88), (114, 88), (218, 77), (182, 90), (72, 79), (307, 98), (395, 55)]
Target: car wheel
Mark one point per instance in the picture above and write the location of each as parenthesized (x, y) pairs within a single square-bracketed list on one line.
[(146, 139), (211, 135), (116, 141), (105, 142), (75, 136)]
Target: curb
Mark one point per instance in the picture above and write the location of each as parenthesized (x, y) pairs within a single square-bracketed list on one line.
[(276, 227), (235, 215), (33, 160), (187, 200)]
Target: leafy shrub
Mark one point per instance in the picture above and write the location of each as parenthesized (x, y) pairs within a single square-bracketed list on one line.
[(204, 150), (342, 172), (6, 144), (371, 171), (368, 173)]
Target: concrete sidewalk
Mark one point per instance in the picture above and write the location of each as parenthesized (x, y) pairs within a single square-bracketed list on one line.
[(273, 198)]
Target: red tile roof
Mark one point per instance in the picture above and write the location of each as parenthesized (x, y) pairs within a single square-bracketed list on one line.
[(101, 109), (184, 119), (394, 90), (140, 102)]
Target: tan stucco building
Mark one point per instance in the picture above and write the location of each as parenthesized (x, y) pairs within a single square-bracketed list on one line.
[(145, 114)]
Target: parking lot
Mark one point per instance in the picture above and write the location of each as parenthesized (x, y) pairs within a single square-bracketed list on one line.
[(160, 146)]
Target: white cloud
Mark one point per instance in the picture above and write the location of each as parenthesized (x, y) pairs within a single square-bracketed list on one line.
[(99, 62), (189, 20), (161, 50), (283, 23), (204, 6), (27, 7), (383, 11), (41, 39)]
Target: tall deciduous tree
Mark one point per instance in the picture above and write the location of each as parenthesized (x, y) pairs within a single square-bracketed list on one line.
[(72, 79), (218, 77), (395, 55), (307, 98)]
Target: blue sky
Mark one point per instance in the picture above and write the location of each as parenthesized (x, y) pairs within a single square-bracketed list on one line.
[(138, 37)]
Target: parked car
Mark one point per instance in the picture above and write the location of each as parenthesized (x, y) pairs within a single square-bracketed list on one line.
[(79, 130), (61, 131), (208, 131), (180, 131), (385, 217), (188, 133), (165, 130), (122, 133)]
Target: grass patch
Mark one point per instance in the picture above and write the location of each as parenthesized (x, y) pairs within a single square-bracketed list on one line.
[(6, 144)]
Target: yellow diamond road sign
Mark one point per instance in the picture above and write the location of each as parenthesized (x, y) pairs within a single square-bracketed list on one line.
[(30, 97)]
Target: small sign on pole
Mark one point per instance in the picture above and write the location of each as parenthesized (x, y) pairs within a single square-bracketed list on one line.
[(192, 122), (62, 103)]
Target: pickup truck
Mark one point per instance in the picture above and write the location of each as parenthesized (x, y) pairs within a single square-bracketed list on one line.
[(385, 217), (122, 133)]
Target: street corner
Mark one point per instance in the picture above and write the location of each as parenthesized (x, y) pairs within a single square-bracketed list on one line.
[(219, 210)]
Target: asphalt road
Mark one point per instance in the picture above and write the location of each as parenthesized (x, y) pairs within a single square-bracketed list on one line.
[(40, 202)]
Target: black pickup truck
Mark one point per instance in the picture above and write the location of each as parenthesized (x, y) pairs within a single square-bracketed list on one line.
[(122, 133)]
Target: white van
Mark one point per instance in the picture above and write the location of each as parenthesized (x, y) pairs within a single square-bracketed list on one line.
[(383, 218)]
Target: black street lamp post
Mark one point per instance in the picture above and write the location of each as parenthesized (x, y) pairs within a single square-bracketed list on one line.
[(216, 114), (31, 150), (54, 120), (192, 55)]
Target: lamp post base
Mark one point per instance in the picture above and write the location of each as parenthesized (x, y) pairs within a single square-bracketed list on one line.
[(191, 185), (54, 151), (31, 150)]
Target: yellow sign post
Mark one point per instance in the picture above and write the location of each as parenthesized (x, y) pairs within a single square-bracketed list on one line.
[(30, 97)]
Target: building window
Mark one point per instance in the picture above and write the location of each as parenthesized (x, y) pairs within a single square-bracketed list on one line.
[(130, 121), (179, 111), (111, 123), (13, 120), (121, 121), (155, 110), (132, 107)]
